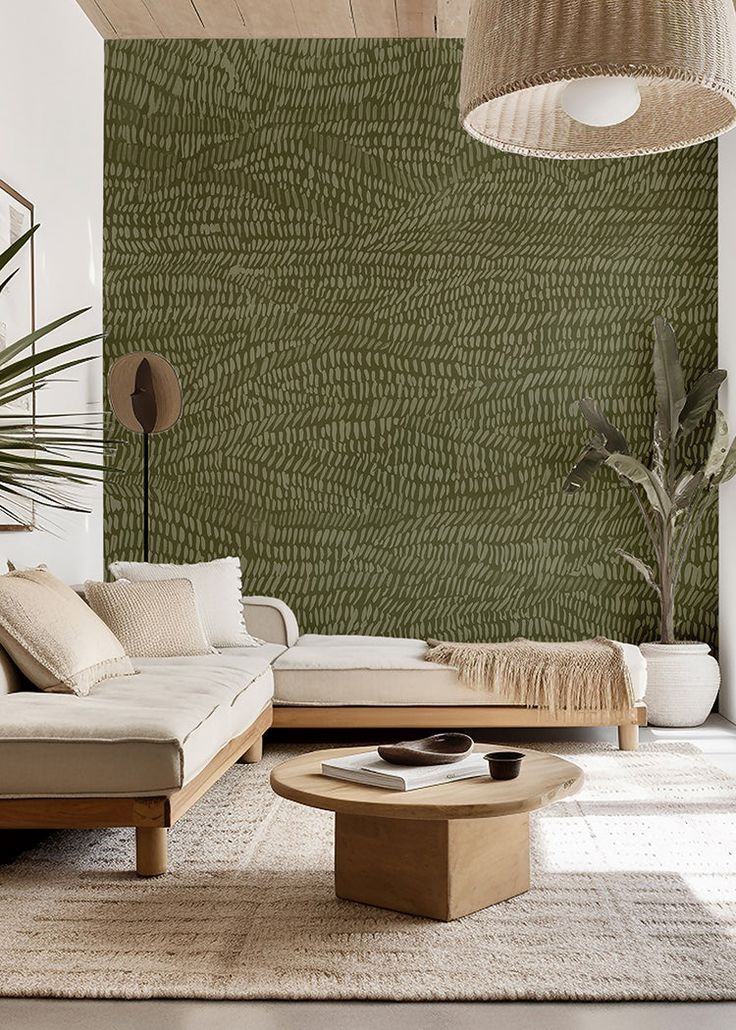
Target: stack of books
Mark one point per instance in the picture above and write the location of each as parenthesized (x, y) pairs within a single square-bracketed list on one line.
[(371, 769)]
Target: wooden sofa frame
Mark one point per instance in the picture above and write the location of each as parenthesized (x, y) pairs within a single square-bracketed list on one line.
[(151, 816), (440, 717)]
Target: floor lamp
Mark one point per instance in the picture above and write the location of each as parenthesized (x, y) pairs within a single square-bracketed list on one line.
[(145, 397)]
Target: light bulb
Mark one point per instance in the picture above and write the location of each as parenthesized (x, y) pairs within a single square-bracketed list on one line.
[(601, 99)]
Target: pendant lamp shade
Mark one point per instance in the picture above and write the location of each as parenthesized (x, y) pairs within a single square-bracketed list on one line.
[(521, 55)]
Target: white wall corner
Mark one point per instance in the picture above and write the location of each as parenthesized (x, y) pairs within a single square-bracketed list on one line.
[(51, 151)]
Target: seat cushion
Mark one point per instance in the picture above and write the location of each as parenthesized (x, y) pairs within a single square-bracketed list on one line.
[(139, 735), (264, 653), (355, 670)]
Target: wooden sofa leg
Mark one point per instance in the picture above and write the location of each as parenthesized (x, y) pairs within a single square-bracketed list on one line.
[(253, 754), (150, 850), (628, 737)]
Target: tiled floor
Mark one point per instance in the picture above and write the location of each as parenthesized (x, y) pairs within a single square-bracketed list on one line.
[(196, 1015), (717, 738)]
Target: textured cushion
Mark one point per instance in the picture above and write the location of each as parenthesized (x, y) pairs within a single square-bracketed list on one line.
[(157, 620), (134, 736), (355, 670), (217, 587), (53, 637)]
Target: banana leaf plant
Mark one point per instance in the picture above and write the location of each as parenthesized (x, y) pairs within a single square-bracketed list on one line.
[(671, 495), (38, 462)]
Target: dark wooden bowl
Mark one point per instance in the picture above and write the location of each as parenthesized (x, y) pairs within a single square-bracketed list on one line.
[(439, 749)]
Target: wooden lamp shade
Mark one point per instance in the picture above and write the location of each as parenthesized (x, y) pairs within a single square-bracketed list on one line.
[(145, 396), (161, 384), (520, 57)]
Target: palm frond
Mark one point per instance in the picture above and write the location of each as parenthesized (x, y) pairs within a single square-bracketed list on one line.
[(9, 253), (39, 457)]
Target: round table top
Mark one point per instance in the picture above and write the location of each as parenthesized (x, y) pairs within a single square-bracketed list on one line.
[(544, 778)]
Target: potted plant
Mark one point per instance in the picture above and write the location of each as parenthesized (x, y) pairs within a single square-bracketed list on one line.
[(40, 461), (672, 498)]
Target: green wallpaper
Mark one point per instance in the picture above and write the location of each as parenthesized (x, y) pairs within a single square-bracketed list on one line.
[(382, 328)]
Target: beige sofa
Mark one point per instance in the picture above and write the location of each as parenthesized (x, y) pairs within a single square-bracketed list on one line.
[(139, 751), (376, 682)]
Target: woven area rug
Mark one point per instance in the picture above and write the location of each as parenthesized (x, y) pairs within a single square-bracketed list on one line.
[(633, 897)]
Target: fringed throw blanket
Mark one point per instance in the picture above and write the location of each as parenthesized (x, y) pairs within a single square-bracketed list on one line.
[(588, 675)]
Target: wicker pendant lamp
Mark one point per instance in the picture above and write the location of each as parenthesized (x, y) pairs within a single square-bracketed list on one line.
[(598, 78)]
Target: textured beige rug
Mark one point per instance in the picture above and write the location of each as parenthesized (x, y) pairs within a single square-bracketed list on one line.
[(633, 897)]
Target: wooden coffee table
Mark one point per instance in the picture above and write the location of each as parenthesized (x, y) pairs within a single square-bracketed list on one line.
[(441, 851)]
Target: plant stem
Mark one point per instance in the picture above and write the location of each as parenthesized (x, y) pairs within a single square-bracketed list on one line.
[(666, 587), (645, 515)]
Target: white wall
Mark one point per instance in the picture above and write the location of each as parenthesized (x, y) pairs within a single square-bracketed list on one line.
[(727, 360), (51, 151)]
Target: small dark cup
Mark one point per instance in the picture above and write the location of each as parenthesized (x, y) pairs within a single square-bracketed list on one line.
[(504, 765)]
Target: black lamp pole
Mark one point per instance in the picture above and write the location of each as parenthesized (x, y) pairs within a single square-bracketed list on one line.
[(145, 495), (145, 394), (145, 409)]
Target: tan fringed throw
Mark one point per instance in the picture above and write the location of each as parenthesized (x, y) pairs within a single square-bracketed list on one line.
[(587, 675)]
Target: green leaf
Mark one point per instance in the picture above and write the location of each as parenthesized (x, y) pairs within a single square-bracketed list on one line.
[(5, 281), (633, 470), (641, 567), (584, 468), (687, 490), (27, 341), (23, 387), (9, 253), (48, 498), (700, 398), (615, 440), (11, 372), (718, 447), (728, 469), (668, 381)]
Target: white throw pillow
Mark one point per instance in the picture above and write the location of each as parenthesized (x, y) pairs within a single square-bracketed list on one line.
[(219, 591), (157, 619), (56, 641)]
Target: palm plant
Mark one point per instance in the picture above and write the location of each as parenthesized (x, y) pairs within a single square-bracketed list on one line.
[(37, 460), (671, 497)]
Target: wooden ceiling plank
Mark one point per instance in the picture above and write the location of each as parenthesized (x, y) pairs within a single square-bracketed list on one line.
[(278, 18), (97, 16), (176, 18), (269, 19), (416, 18), (324, 19), (452, 18), (131, 18), (222, 19), (375, 19)]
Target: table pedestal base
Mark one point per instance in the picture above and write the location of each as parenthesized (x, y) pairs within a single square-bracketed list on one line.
[(443, 869)]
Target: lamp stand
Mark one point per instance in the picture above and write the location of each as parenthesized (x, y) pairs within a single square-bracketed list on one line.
[(145, 496)]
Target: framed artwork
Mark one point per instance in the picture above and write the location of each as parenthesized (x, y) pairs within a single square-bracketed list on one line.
[(17, 300)]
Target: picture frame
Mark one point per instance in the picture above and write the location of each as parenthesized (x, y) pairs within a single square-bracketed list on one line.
[(18, 304)]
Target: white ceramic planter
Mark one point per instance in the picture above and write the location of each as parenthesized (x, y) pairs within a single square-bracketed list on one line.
[(682, 683)]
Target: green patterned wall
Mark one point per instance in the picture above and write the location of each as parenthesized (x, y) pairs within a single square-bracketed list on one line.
[(382, 328)]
